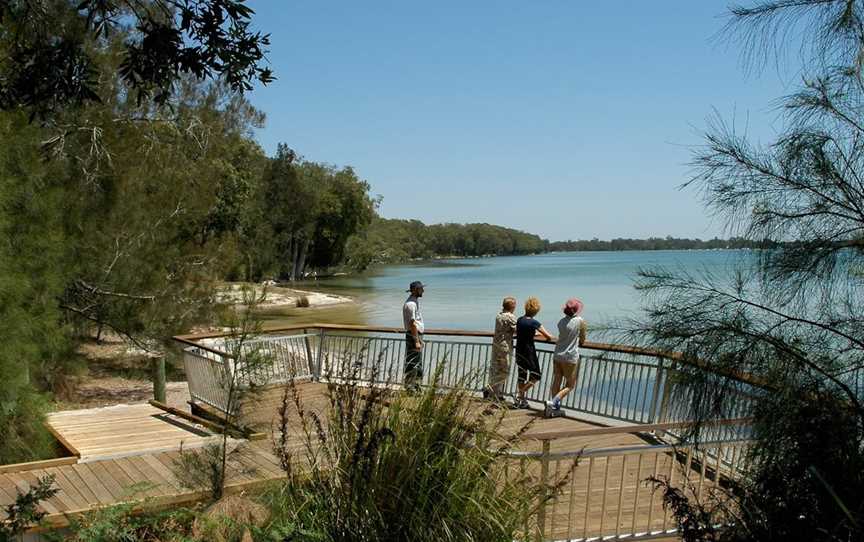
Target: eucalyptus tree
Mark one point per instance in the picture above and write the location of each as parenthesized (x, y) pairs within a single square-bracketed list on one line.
[(793, 321)]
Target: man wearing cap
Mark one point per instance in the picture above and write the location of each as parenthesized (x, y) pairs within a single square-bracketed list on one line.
[(412, 319)]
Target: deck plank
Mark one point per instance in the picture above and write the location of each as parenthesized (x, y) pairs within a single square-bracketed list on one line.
[(92, 482)]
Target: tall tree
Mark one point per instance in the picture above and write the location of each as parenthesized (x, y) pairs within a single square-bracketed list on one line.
[(794, 323)]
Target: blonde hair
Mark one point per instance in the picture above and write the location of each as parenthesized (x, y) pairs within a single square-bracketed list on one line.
[(532, 306), (508, 303)]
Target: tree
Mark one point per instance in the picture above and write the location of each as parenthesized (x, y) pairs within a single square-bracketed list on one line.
[(50, 63), (310, 210), (793, 324), (114, 215)]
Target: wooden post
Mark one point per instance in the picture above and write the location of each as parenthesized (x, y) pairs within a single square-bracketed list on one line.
[(663, 414), (158, 369), (544, 489), (309, 360)]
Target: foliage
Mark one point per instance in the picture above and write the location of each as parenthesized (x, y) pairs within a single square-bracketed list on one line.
[(794, 323), (32, 254), (23, 513), (121, 523), (394, 240), (378, 455), (108, 221), (660, 243), (305, 214), (51, 49)]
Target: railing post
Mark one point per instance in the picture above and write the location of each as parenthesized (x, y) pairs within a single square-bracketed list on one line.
[(655, 394), (316, 372), (157, 366), (310, 362), (544, 491), (667, 391)]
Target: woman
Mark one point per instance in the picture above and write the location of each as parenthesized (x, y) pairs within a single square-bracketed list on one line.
[(526, 354), (502, 348), (571, 333)]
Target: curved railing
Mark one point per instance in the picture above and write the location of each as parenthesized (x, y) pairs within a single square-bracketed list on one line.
[(616, 383), (628, 389)]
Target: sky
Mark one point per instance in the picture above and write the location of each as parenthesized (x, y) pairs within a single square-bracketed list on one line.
[(568, 119)]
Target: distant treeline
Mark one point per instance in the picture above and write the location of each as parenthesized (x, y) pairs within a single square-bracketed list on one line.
[(658, 243), (394, 240)]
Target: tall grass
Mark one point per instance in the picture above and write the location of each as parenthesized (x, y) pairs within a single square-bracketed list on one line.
[(382, 465)]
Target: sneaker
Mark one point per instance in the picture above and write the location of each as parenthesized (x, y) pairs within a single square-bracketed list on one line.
[(520, 403), (556, 403)]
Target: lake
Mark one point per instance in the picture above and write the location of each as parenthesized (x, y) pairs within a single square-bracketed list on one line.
[(466, 294)]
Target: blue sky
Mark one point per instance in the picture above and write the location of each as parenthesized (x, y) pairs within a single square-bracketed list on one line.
[(563, 118)]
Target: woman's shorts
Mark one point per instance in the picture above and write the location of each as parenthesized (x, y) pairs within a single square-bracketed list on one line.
[(529, 368)]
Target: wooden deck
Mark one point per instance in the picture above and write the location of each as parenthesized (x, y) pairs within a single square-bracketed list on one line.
[(128, 454), (121, 430)]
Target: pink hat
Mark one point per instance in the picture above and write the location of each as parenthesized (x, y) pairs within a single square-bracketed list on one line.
[(573, 307)]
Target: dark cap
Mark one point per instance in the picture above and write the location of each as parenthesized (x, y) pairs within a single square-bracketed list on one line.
[(415, 284)]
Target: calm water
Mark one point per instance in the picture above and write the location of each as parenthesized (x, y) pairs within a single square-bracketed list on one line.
[(466, 294)]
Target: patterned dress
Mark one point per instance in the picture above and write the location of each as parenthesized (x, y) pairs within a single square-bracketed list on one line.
[(502, 348)]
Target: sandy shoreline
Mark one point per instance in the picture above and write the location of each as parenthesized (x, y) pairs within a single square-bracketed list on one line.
[(117, 371), (276, 296)]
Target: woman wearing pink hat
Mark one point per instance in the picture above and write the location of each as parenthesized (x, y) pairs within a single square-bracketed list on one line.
[(571, 333)]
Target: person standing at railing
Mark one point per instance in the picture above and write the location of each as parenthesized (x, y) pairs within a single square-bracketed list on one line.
[(502, 348), (527, 361), (565, 360), (412, 319)]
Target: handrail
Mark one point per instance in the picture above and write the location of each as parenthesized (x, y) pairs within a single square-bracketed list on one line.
[(617, 450), (744, 377), (190, 339), (635, 428)]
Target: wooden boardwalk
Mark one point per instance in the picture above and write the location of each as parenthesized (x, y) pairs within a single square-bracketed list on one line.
[(121, 430), (128, 455)]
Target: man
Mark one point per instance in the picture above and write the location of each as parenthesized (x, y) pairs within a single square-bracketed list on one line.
[(412, 319)]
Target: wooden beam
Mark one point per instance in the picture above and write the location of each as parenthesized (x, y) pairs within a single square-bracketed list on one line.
[(62, 440), (637, 428), (35, 465)]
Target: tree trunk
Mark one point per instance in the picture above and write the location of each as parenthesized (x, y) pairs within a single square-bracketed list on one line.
[(249, 267), (288, 267), (301, 259), (295, 252)]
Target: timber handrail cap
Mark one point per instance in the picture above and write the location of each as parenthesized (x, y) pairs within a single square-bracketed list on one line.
[(636, 428)]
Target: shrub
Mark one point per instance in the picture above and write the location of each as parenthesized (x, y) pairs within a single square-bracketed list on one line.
[(303, 301), (119, 523), (22, 425), (24, 512), (386, 466)]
